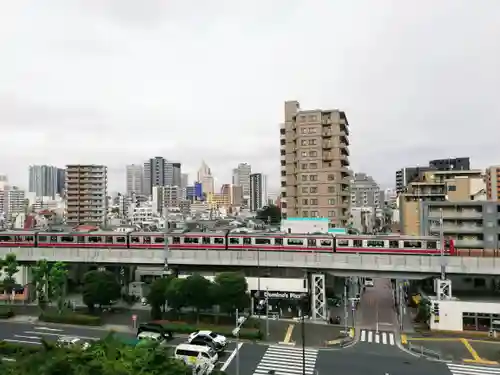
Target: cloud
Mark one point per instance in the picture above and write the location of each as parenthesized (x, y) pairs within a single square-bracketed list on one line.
[(119, 81)]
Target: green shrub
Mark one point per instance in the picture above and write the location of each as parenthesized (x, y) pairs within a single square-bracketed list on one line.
[(6, 312), (185, 328), (70, 318), (10, 349)]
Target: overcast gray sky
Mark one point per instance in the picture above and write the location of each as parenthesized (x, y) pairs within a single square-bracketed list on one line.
[(118, 81)]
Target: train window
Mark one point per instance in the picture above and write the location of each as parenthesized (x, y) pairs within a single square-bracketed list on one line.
[(29, 238), (135, 239), (412, 244), (95, 239), (262, 241), (375, 243), (432, 245), (311, 242), (219, 241), (278, 241), (67, 239), (109, 239), (194, 239), (53, 238), (40, 238), (205, 241), (358, 243), (175, 240), (5, 238), (295, 242), (326, 242), (447, 244), (247, 241), (80, 239), (162, 239), (234, 241), (394, 244), (121, 239), (342, 242), (146, 239)]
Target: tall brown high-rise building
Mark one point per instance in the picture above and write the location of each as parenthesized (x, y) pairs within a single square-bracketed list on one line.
[(315, 171)]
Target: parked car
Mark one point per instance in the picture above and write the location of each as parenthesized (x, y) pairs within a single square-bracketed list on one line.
[(156, 328), (72, 342)]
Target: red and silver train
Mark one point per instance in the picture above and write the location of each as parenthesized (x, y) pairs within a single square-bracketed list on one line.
[(392, 244)]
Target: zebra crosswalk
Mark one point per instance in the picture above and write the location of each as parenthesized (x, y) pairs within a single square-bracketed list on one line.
[(287, 360), (377, 337), (457, 369), (35, 335)]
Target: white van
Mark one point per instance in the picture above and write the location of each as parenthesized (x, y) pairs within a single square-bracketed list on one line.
[(368, 281), (194, 354)]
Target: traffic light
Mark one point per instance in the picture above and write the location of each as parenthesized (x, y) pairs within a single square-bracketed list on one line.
[(435, 311)]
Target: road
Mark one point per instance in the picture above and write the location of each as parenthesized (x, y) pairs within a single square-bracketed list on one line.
[(376, 308)]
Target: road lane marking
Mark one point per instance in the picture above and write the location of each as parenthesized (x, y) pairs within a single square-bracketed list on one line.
[(23, 341), (404, 340), (377, 338), (363, 335), (231, 357), (48, 329), (384, 338), (370, 335), (432, 339), (391, 339), (27, 337), (475, 356), (288, 335), (457, 369), (287, 361), (59, 335)]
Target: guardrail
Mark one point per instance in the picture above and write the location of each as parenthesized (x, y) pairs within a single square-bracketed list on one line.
[(424, 352)]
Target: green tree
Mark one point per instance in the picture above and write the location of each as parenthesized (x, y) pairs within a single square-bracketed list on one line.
[(100, 288), (270, 215), (230, 291), (10, 267), (157, 296), (58, 276), (198, 292), (176, 296), (40, 282)]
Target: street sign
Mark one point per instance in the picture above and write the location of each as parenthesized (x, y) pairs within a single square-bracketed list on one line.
[(134, 318)]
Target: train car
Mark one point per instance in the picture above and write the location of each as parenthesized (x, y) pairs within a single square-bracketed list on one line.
[(281, 242), (199, 240), (18, 238), (83, 239), (148, 240), (408, 245)]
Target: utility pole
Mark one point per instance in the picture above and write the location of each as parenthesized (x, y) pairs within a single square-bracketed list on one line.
[(346, 316), (267, 312), (441, 239), (303, 334)]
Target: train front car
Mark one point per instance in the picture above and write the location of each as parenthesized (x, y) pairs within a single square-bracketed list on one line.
[(17, 239)]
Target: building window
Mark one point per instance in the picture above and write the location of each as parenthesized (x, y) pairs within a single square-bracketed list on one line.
[(312, 130), (305, 190), (314, 202), (305, 213), (331, 202), (331, 213), (452, 188), (303, 142), (331, 177), (304, 130), (313, 153), (313, 177), (312, 142), (304, 177), (314, 190), (305, 202), (314, 213), (303, 166), (313, 166), (331, 189)]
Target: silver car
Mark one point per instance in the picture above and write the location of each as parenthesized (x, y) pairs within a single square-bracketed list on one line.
[(72, 341)]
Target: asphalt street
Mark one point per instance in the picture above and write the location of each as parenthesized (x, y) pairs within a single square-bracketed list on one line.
[(376, 308)]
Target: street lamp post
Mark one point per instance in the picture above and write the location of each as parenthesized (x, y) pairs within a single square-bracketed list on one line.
[(303, 334), (441, 239)]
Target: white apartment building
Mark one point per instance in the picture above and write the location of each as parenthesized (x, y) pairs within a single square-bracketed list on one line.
[(258, 191), (15, 203), (86, 194), (135, 179), (142, 214), (37, 203), (165, 197)]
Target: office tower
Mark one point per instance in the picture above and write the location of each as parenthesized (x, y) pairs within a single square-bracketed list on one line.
[(45, 180), (315, 171), (206, 179), (86, 194), (241, 177), (258, 191), (160, 172), (135, 179)]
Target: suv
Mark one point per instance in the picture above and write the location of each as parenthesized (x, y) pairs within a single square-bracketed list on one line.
[(155, 328), (218, 342)]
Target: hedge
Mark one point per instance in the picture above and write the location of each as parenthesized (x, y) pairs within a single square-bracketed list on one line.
[(70, 318), (6, 313), (13, 349), (181, 327)]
